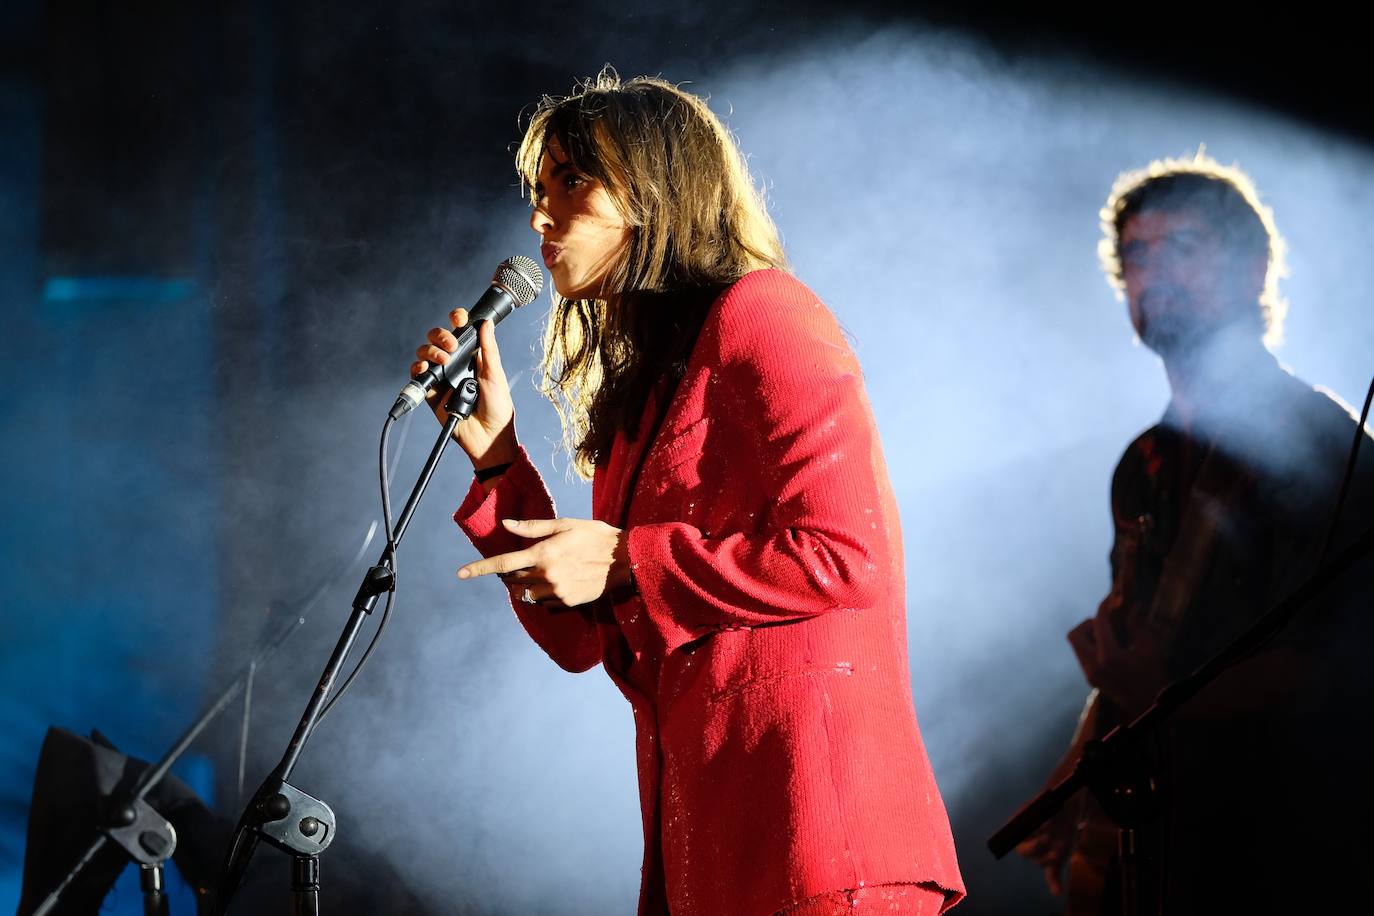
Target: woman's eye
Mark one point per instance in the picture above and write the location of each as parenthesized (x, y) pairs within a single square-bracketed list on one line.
[(573, 180)]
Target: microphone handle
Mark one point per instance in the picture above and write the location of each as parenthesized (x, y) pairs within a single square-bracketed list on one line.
[(496, 303), (494, 306)]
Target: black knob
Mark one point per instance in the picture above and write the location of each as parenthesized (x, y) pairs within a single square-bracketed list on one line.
[(310, 826), (154, 843), (122, 815), (275, 807)]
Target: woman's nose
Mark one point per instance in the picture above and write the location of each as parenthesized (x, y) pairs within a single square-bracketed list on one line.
[(540, 221)]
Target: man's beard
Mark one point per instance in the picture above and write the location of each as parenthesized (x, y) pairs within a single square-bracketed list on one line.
[(1169, 321)]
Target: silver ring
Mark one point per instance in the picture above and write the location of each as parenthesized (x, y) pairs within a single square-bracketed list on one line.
[(526, 597)]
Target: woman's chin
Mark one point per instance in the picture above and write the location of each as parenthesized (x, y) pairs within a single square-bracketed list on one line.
[(572, 291)]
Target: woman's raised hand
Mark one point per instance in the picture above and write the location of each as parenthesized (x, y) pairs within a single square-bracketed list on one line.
[(488, 436)]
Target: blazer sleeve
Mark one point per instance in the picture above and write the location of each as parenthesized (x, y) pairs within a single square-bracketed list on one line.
[(568, 636), (797, 409)]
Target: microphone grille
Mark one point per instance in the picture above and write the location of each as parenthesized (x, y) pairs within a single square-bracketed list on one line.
[(521, 276)]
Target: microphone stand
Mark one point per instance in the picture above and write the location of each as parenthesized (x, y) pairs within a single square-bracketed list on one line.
[(279, 813), (143, 833), (1115, 768)]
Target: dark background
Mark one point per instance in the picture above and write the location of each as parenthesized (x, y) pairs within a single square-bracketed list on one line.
[(227, 226)]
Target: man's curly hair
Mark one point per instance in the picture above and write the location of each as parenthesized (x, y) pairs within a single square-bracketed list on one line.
[(1221, 194)]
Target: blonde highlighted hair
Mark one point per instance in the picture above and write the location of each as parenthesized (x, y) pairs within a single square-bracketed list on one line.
[(697, 224)]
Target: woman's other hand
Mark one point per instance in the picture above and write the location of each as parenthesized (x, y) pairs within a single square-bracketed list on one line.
[(574, 561)]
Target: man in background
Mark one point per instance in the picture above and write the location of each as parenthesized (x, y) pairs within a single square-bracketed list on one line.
[(1220, 510)]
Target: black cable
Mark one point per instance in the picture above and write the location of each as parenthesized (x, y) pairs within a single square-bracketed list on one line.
[(306, 604), (1341, 496), (1349, 475), (388, 559)]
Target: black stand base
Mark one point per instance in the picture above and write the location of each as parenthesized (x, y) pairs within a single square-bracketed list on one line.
[(154, 897), (305, 886)]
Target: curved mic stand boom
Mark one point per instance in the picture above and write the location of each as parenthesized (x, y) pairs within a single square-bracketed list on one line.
[(144, 834), (278, 812)]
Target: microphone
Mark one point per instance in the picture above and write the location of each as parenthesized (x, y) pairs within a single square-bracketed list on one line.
[(517, 282)]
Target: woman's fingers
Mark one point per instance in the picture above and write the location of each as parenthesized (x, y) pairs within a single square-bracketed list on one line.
[(537, 527), (431, 353), (532, 594), (444, 338), (542, 595), (491, 356), (501, 563), (522, 577), (458, 317)]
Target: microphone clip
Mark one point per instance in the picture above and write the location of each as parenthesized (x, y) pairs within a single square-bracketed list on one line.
[(462, 402)]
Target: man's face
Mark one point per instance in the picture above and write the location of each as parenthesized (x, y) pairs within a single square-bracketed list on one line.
[(1183, 283)]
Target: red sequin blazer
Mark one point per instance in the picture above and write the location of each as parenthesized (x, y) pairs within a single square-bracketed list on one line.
[(765, 654)]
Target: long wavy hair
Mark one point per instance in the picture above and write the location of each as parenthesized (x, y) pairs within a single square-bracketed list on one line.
[(697, 224)]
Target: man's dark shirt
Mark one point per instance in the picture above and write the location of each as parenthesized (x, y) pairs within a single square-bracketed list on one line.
[(1267, 794)]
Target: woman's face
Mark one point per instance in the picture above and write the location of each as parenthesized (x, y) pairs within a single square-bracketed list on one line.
[(582, 231)]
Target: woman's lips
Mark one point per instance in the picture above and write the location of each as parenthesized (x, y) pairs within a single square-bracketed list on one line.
[(550, 252)]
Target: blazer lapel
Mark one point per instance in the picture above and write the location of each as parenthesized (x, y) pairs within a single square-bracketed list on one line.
[(627, 457), (611, 498)]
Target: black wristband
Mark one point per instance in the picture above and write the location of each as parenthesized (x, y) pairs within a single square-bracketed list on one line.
[(627, 591), (496, 470)]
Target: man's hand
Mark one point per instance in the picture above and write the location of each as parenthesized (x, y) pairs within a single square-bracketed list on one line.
[(1129, 674), (1050, 846), (574, 561)]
